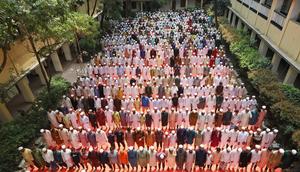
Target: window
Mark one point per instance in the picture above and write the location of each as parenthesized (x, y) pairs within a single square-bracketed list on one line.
[(286, 7), (133, 5), (298, 18), (182, 3), (268, 3)]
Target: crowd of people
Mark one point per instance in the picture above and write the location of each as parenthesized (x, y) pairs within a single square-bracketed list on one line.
[(161, 96)]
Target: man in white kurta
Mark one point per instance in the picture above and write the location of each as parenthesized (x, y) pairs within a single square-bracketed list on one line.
[(66, 156)]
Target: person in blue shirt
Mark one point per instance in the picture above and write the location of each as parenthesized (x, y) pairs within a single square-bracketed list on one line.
[(145, 102), (132, 157)]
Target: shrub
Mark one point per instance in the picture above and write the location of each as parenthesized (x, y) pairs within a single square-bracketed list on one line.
[(292, 93), (25, 129)]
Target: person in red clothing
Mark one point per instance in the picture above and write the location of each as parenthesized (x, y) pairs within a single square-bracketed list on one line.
[(161, 158), (100, 115), (215, 137)]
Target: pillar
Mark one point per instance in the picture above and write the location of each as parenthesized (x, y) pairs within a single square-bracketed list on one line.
[(41, 76), (233, 20), (56, 62), (275, 62), (245, 27), (263, 47), (5, 115), (201, 4), (239, 25), (25, 90), (252, 36), (141, 5), (229, 15), (67, 51), (291, 75)]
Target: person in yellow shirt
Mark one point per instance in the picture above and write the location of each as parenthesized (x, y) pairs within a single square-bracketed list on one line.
[(117, 119), (27, 156)]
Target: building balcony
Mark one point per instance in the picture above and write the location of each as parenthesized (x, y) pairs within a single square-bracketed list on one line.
[(263, 11), (278, 19)]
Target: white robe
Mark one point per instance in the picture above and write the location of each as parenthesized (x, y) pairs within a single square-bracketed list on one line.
[(67, 158)]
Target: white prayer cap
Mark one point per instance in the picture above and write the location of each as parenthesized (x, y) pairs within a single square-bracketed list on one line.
[(151, 147), (42, 130), (91, 149), (257, 146), (251, 132), (130, 148), (243, 128), (56, 111), (64, 96), (240, 149), (259, 130), (106, 107), (208, 128), (63, 146), (60, 126), (201, 146), (268, 130), (166, 133), (275, 131), (294, 152), (264, 107), (161, 156), (171, 148), (138, 128), (141, 148), (173, 131), (281, 151), (218, 128), (181, 126), (20, 148), (44, 149), (221, 110), (71, 128), (101, 150), (228, 149), (248, 148), (157, 129)]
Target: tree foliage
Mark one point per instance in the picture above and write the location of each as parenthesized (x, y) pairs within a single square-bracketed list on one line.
[(25, 129)]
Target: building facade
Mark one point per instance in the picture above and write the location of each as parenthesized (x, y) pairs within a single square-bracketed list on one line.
[(275, 25)]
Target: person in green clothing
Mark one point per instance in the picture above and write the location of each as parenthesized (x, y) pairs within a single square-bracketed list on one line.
[(288, 158), (38, 158)]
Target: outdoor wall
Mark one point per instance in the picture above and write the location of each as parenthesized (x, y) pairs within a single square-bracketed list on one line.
[(261, 24), (290, 42), (21, 59), (274, 34)]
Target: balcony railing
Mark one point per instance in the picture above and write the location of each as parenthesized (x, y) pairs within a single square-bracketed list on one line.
[(263, 11), (278, 19), (254, 6)]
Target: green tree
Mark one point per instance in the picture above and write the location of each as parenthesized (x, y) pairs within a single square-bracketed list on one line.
[(44, 21), (219, 7), (112, 9)]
